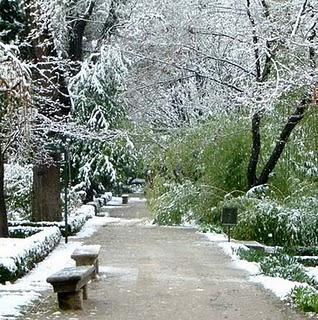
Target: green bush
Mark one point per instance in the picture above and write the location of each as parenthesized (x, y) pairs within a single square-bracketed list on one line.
[(305, 298), (208, 164), (284, 266), (196, 170), (251, 255), (22, 232), (288, 223), (277, 264), (18, 187)]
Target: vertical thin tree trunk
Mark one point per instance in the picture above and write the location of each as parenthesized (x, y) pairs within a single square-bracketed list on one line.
[(4, 233)]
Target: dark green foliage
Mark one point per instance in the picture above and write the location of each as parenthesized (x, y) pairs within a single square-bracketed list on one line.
[(306, 251), (22, 232), (251, 255), (277, 264), (196, 170), (308, 261), (305, 298), (11, 22), (284, 266)]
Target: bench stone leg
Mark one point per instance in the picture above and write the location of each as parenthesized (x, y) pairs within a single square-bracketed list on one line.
[(96, 269), (85, 292), (70, 300)]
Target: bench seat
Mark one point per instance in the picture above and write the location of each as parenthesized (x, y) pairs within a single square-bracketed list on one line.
[(71, 286), (87, 255)]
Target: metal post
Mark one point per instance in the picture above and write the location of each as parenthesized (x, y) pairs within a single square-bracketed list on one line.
[(229, 233), (66, 192)]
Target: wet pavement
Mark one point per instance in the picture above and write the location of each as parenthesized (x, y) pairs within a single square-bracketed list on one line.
[(151, 272)]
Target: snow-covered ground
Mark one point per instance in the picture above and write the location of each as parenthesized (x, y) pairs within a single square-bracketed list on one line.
[(280, 287), (14, 297), (29, 288)]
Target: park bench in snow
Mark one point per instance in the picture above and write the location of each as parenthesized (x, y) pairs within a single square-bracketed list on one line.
[(124, 198), (87, 256), (71, 286)]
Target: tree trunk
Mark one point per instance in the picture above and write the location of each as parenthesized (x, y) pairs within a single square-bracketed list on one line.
[(4, 233), (78, 27), (292, 122), (46, 193), (255, 152), (272, 161)]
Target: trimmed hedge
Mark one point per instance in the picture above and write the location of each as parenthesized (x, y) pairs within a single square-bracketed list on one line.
[(28, 251), (75, 221)]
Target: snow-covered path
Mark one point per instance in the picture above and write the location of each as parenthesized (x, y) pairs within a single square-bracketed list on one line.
[(150, 272)]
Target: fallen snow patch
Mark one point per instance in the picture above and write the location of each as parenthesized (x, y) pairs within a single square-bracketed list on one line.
[(280, 287), (312, 272), (93, 225)]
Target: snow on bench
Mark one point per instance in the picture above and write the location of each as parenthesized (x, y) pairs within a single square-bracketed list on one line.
[(71, 286), (87, 255)]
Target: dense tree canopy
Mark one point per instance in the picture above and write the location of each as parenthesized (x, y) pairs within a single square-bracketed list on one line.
[(119, 80)]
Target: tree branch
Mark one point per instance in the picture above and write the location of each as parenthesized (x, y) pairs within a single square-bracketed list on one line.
[(292, 121), (255, 42)]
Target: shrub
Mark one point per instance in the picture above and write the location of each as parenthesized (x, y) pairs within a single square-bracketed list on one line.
[(173, 206), (284, 266), (18, 187), (305, 298), (22, 232), (277, 264), (251, 255), (290, 222), (30, 251), (196, 170)]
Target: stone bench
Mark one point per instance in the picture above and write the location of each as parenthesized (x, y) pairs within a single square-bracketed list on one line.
[(71, 286), (124, 198), (87, 256)]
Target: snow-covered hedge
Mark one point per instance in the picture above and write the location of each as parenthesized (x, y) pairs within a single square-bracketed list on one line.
[(18, 256), (75, 221)]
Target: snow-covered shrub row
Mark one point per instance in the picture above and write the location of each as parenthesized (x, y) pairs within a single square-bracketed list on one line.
[(75, 221), (21, 255), (18, 186), (288, 223), (22, 232), (281, 265)]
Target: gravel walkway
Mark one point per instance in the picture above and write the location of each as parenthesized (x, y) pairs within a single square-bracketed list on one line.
[(149, 272)]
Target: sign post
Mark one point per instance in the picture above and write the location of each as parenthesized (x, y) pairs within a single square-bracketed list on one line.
[(229, 219)]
